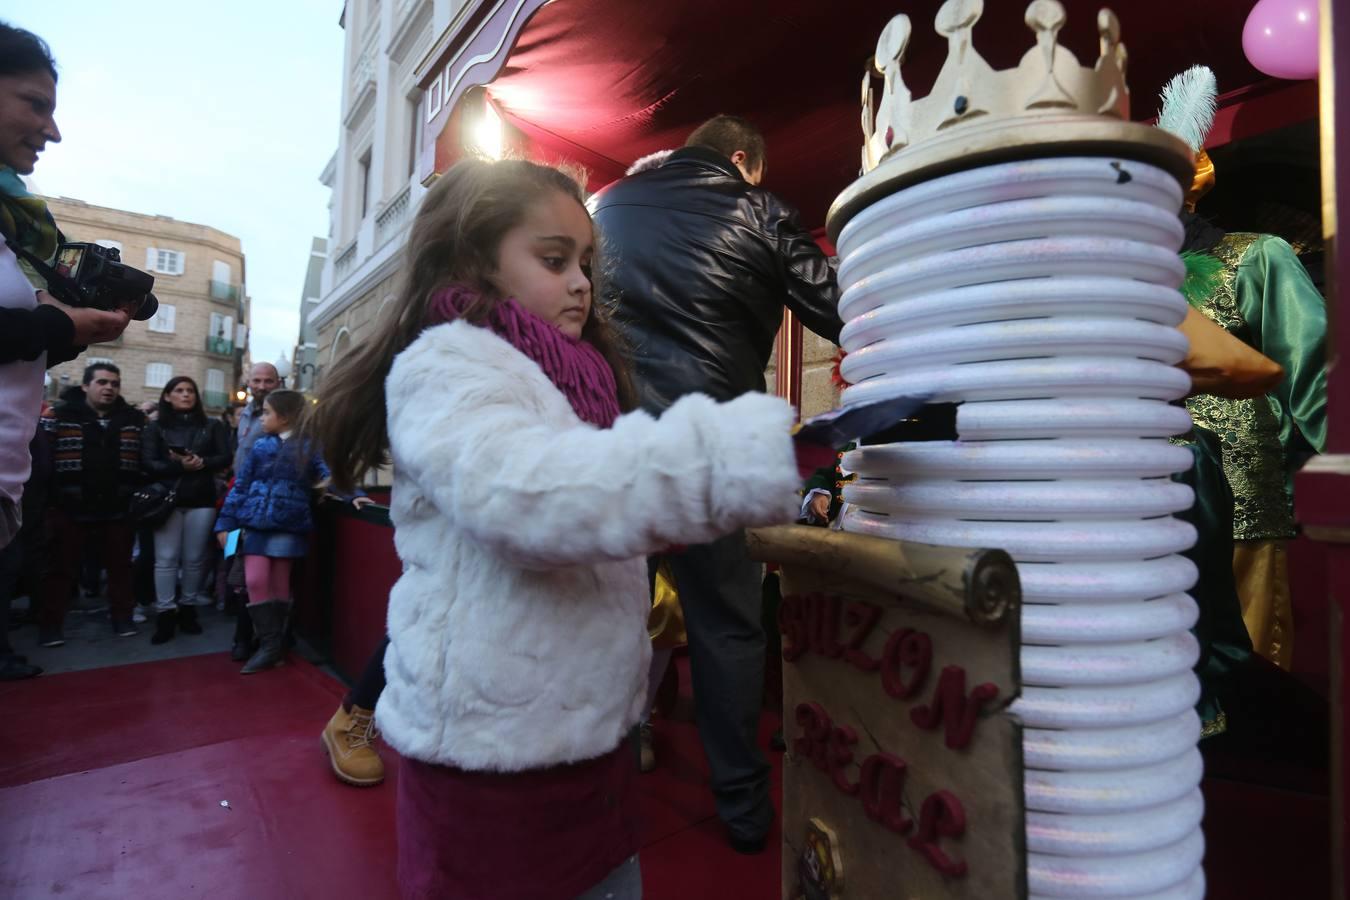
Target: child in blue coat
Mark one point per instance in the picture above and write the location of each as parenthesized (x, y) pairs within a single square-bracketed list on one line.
[(271, 501)]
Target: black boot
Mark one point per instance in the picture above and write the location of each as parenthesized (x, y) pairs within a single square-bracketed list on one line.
[(165, 625), (269, 621), (187, 620), (14, 667), (243, 645)]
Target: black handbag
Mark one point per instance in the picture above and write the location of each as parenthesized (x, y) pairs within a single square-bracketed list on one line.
[(151, 504)]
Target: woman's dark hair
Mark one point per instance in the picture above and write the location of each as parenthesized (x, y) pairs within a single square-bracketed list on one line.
[(22, 52), (455, 239), (166, 408), (290, 405)]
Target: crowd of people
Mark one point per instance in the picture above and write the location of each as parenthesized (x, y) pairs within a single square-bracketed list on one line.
[(136, 495)]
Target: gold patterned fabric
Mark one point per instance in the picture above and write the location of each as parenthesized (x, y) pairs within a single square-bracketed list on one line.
[(1249, 430), (1261, 570)]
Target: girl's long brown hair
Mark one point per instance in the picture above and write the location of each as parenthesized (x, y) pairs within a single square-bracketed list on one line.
[(454, 239)]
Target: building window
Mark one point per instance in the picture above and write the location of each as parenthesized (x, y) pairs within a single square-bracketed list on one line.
[(215, 389), (157, 374), (222, 326), (341, 341), (365, 183), (220, 339), (163, 320), (110, 244), (165, 262)]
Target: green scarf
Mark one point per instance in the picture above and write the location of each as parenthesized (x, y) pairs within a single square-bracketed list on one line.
[(26, 220)]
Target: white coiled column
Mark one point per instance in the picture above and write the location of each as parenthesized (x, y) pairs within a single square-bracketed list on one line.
[(1042, 296)]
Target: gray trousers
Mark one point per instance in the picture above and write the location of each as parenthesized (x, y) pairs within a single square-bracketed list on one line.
[(721, 592), (181, 543)]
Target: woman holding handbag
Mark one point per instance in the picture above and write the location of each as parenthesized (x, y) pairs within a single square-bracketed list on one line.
[(181, 452)]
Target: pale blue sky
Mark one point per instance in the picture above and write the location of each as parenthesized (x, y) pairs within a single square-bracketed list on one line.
[(217, 113)]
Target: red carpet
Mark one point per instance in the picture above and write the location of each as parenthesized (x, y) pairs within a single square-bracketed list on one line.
[(114, 778)]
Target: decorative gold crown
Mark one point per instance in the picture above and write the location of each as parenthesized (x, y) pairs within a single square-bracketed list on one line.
[(1047, 82), (1049, 104)]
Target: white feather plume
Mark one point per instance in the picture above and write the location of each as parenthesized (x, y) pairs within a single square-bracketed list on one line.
[(1189, 102)]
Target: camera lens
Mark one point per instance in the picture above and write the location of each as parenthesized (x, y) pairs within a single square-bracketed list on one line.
[(149, 305)]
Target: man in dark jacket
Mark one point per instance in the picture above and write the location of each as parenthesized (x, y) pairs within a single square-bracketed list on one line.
[(95, 438), (704, 262)]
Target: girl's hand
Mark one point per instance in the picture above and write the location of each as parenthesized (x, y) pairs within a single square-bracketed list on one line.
[(192, 462), (223, 537), (362, 502)]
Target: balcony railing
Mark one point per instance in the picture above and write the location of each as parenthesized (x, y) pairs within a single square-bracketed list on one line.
[(223, 290), (392, 217), (220, 345), (342, 264), (216, 399)]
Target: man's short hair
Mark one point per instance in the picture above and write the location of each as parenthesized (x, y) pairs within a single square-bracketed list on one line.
[(726, 135), (90, 369)]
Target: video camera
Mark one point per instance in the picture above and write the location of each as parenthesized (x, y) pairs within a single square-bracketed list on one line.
[(95, 276)]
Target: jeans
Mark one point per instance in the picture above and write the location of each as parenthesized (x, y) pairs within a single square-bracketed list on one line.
[(720, 590), (181, 541), (113, 540), (368, 688), (11, 561)]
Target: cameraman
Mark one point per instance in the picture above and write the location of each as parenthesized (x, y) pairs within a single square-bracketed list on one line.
[(36, 331)]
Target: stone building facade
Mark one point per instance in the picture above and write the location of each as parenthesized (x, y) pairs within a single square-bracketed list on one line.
[(201, 329), (375, 189), (305, 359)]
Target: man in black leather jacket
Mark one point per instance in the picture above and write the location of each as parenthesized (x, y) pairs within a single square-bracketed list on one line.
[(703, 262)]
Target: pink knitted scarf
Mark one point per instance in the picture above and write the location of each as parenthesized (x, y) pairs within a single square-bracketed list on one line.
[(574, 366)]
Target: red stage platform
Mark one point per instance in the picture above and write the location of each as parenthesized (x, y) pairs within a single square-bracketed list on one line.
[(113, 782)]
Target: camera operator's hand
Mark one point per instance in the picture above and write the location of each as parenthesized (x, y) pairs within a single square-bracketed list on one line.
[(92, 326)]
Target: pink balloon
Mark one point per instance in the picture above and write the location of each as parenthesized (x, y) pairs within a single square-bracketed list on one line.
[(1280, 38)]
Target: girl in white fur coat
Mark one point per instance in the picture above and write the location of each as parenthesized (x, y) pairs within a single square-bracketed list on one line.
[(524, 503)]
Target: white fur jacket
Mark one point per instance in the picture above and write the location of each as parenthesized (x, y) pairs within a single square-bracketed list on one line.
[(518, 630)]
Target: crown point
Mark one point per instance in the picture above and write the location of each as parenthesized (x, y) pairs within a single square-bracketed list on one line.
[(892, 43), (958, 15), (1046, 15), (1108, 26)]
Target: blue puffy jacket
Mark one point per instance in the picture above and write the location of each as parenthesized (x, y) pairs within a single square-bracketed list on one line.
[(274, 488)]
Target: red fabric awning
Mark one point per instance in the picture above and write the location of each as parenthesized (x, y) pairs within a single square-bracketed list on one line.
[(606, 81)]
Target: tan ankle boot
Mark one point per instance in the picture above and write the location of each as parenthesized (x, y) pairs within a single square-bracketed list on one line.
[(349, 741)]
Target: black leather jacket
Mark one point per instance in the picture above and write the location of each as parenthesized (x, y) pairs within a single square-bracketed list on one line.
[(700, 265), (208, 438)]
